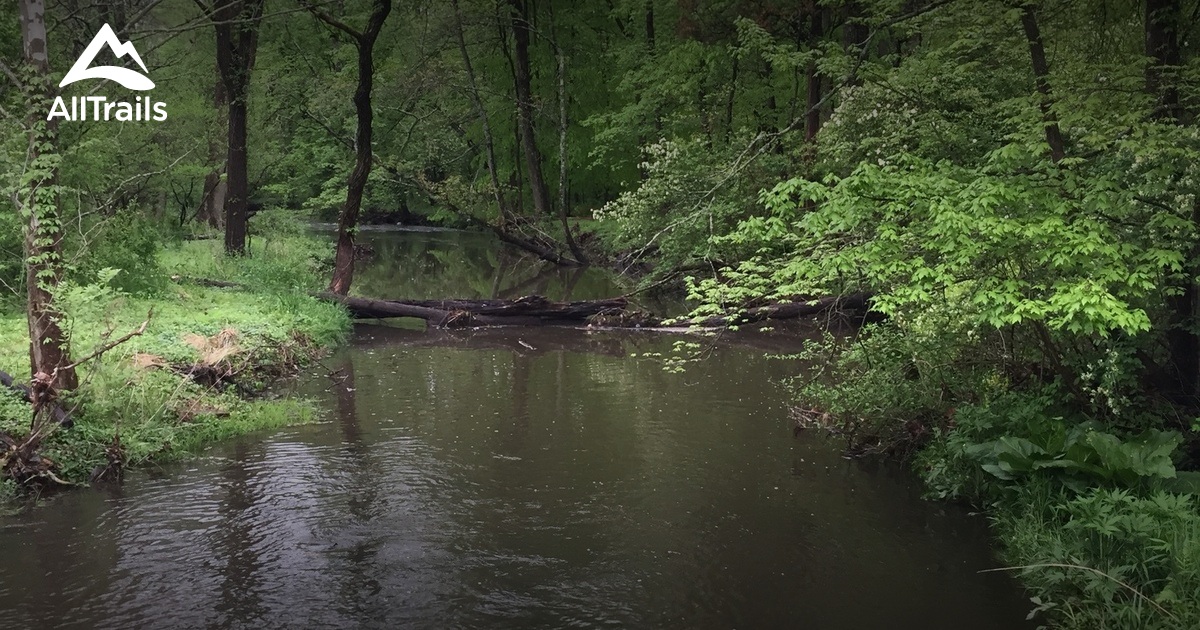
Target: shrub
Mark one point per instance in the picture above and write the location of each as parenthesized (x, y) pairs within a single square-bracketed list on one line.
[(994, 446), (127, 241)]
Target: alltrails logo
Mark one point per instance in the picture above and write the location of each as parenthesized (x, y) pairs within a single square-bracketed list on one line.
[(100, 107)]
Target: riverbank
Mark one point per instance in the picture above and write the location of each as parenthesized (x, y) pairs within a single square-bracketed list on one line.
[(1097, 516), (196, 374)]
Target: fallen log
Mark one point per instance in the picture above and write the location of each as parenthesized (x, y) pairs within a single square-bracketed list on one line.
[(532, 310), (536, 310), (854, 303), (209, 282)]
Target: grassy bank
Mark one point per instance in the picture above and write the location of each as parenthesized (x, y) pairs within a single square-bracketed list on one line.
[(195, 374)]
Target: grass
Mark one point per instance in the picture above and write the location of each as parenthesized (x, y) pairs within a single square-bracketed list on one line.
[(159, 393)]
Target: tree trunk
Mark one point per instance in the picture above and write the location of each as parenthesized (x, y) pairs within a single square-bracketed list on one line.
[(1162, 19), (533, 310), (212, 202), (651, 43), (731, 98), (564, 187), (343, 268), (236, 23), (1162, 48), (812, 120), (1041, 74), (523, 83), (49, 353), (237, 188), (854, 34), (489, 143), (650, 27)]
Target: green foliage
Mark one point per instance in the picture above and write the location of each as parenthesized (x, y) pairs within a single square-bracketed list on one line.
[(276, 264), (1082, 454), (691, 194), (128, 241), (1108, 558), (1004, 443), (1018, 241), (896, 382)]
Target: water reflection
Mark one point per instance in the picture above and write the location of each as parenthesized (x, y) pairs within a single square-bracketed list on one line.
[(468, 265)]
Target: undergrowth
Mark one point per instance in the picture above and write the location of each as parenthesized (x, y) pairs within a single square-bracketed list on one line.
[(197, 373)]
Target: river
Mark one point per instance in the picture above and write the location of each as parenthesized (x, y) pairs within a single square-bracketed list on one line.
[(525, 478)]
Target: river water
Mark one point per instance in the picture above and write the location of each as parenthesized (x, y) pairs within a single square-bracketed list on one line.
[(512, 479)]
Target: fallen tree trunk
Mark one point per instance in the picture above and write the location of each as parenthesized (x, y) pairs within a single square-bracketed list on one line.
[(533, 310), (854, 302), (536, 310)]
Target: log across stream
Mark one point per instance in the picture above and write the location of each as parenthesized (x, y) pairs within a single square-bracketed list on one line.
[(536, 310)]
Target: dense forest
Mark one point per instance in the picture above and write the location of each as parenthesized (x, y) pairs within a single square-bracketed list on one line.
[(1009, 187)]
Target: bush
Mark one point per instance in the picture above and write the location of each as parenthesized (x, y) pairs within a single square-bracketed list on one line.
[(995, 447), (897, 383), (127, 241)]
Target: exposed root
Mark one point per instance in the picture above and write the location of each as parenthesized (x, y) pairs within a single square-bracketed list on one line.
[(22, 463), (190, 410), (899, 439)]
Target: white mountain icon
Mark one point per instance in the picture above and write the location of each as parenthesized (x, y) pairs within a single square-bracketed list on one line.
[(126, 77)]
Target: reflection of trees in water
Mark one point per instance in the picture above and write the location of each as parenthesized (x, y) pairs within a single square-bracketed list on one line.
[(362, 496), (518, 431), (237, 539), (424, 265)]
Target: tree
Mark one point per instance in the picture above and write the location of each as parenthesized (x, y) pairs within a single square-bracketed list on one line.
[(522, 29), (364, 42), (489, 143), (37, 199), (1161, 23), (212, 199), (564, 188), (236, 23)]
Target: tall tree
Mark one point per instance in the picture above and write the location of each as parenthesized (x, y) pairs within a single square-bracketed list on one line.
[(812, 119), (522, 80), (564, 188), (1161, 23), (364, 42), (37, 199), (212, 201), (1041, 75), (236, 23), (489, 143)]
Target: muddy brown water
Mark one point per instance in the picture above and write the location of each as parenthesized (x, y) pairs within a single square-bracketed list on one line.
[(511, 479)]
